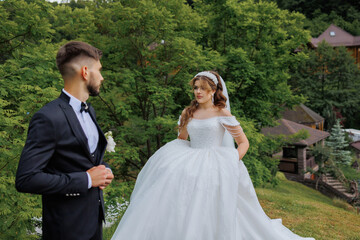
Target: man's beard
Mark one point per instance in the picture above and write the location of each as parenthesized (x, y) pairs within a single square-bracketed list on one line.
[(93, 91)]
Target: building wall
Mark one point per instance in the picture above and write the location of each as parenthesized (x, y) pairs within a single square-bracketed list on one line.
[(355, 53)]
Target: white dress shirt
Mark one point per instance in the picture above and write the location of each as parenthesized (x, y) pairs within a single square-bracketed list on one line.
[(87, 125)]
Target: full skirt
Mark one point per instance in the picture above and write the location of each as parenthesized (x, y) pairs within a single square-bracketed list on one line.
[(185, 193)]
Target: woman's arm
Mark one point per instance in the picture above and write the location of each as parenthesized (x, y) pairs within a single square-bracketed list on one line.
[(236, 131), (240, 139), (183, 134)]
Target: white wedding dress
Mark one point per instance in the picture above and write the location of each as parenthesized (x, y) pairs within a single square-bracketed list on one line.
[(198, 190)]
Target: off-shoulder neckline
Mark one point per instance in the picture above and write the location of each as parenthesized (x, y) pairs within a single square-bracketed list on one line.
[(212, 117)]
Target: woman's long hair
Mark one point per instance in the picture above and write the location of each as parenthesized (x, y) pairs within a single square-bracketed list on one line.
[(219, 98)]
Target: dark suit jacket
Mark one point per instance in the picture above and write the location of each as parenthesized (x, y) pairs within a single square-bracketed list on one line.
[(53, 163)]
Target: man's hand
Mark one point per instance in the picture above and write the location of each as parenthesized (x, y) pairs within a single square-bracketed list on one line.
[(98, 175), (108, 179)]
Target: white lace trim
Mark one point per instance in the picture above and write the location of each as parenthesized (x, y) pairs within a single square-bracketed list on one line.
[(231, 125), (229, 121)]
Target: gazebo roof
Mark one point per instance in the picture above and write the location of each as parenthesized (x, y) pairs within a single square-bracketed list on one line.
[(302, 114), (336, 36), (287, 128)]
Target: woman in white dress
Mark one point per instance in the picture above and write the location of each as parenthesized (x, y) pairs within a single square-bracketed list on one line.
[(200, 189)]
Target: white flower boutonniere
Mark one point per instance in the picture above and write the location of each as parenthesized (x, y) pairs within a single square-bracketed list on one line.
[(111, 143)]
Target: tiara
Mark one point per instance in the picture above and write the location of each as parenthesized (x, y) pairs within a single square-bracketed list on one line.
[(209, 75)]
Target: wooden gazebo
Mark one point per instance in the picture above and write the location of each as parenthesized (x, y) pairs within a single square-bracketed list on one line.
[(296, 157)]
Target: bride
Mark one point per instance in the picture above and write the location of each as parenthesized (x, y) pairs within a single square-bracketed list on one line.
[(200, 189)]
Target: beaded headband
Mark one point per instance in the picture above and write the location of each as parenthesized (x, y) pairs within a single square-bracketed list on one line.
[(209, 75)]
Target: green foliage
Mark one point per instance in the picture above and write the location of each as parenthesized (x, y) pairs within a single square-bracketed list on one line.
[(350, 173), (308, 212), (337, 143), (258, 40), (23, 23), (151, 55), (321, 13), (151, 50), (329, 79), (323, 159), (28, 78), (262, 168), (18, 102)]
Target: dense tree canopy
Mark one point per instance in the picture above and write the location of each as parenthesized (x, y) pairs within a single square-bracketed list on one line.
[(151, 51), (257, 41), (330, 81), (321, 13)]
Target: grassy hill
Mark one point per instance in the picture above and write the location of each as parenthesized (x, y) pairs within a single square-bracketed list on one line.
[(305, 211), (310, 213)]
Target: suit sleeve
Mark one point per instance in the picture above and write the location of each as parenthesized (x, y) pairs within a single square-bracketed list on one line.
[(38, 150)]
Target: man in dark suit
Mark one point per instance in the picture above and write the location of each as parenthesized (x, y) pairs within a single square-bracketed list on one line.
[(63, 155)]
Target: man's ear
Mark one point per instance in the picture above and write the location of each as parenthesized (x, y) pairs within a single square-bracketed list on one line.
[(84, 71)]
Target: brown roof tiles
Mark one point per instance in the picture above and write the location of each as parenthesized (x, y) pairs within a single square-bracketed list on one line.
[(302, 114), (336, 36), (287, 128), (356, 145)]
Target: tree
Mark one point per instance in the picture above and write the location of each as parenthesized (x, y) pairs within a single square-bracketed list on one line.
[(329, 79), (323, 160), (150, 56), (22, 23), (258, 40), (338, 144), (28, 78), (20, 98), (151, 50), (321, 13)]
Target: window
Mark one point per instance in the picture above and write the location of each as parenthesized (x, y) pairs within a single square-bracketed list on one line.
[(332, 34)]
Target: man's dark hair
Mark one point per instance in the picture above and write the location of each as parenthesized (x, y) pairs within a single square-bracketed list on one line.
[(72, 50)]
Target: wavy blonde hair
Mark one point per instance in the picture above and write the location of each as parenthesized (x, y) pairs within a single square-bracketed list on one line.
[(208, 84)]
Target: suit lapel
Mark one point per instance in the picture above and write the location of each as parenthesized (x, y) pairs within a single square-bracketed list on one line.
[(102, 140), (74, 124)]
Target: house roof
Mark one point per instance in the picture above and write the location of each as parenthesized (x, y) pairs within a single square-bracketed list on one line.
[(287, 128), (336, 36), (302, 114), (356, 145)]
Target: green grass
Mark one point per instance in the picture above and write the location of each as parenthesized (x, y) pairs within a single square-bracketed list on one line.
[(304, 211), (310, 213), (350, 173)]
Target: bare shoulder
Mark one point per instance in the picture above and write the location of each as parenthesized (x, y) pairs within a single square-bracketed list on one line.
[(224, 113)]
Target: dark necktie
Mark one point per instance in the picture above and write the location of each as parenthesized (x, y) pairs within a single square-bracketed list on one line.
[(84, 107)]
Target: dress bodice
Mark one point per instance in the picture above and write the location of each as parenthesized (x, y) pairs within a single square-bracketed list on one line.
[(209, 132)]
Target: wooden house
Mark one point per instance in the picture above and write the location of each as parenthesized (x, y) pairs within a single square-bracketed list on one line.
[(304, 115), (356, 147), (336, 37), (296, 158)]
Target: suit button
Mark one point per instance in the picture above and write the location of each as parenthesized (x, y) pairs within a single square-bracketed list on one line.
[(92, 155), (67, 194)]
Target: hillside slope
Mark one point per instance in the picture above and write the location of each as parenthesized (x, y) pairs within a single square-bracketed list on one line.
[(310, 213)]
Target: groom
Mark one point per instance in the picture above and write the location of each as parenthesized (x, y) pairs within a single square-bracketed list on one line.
[(63, 155)]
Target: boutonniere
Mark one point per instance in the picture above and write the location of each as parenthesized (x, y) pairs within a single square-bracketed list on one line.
[(111, 143)]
